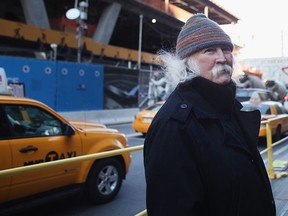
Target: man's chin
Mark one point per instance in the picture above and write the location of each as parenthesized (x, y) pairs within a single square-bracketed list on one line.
[(222, 79)]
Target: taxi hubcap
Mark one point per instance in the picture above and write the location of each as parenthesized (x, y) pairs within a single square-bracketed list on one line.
[(108, 179)]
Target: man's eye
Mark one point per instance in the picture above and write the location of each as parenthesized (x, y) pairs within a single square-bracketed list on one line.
[(226, 49), (210, 50)]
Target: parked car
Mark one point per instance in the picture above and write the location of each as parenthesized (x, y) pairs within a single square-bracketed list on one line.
[(144, 117), (244, 94), (269, 110), (32, 133)]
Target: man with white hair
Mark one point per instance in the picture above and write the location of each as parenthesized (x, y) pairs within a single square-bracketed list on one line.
[(200, 152)]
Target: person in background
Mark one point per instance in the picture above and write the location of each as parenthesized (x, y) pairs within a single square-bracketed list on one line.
[(200, 152)]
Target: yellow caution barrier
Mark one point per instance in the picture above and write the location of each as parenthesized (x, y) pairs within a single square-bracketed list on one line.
[(31, 168), (271, 123)]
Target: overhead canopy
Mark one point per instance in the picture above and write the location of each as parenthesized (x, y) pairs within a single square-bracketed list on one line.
[(215, 12)]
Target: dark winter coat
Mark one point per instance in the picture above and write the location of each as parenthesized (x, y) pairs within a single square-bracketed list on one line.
[(201, 156)]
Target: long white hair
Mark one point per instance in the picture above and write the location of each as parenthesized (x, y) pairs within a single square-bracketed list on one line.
[(177, 70)]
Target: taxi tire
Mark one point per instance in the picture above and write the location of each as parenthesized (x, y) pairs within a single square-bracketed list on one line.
[(100, 173)]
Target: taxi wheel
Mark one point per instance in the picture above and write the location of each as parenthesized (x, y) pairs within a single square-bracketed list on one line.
[(104, 181)]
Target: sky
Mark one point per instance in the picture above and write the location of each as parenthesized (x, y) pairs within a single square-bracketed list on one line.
[(262, 29)]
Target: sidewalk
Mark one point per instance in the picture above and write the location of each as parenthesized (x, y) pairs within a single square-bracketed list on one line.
[(116, 116), (280, 191)]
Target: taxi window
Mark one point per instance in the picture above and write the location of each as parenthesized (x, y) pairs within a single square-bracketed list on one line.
[(263, 108), (4, 125), (31, 121), (264, 96), (154, 107)]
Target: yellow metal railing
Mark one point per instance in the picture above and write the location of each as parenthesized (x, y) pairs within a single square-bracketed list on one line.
[(142, 213), (270, 169), (31, 168)]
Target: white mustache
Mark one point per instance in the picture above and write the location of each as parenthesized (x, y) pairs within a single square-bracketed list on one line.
[(220, 69)]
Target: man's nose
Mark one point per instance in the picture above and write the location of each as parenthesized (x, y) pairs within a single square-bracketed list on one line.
[(220, 56)]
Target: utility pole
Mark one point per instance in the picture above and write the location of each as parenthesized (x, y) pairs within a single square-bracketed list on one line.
[(79, 13), (140, 40)]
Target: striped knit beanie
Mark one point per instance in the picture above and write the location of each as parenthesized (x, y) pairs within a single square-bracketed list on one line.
[(200, 32)]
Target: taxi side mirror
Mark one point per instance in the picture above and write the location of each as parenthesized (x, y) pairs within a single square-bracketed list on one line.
[(68, 130)]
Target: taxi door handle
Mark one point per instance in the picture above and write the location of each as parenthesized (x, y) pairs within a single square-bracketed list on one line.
[(28, 149)]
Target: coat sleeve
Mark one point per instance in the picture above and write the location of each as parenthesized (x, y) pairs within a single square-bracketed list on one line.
[(173, 181)]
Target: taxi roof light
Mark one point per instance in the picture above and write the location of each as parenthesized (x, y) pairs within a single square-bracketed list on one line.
[(4, 88)]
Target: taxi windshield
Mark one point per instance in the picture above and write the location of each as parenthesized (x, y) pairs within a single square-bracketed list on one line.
[(264, 108), (154, 107)]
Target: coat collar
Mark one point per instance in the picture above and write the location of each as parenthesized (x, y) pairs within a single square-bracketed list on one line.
[(208, 99), (212, 101)]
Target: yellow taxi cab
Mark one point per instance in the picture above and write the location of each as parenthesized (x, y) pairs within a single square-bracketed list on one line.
[(32, 133), (144, 117), (269, 110)]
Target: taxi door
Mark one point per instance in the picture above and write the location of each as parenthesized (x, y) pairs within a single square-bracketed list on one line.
[(5, 163), (5, 156), (37, 137)]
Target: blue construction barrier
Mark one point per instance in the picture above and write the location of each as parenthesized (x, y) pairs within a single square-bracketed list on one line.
[(64, 86)]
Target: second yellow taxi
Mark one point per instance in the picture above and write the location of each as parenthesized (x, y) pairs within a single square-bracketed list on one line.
[(269, 109), (144, 117)]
